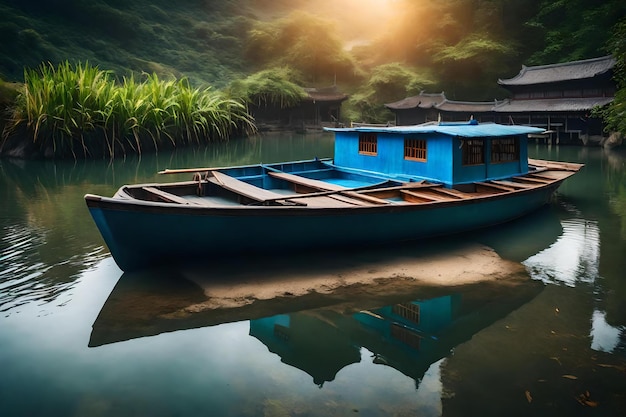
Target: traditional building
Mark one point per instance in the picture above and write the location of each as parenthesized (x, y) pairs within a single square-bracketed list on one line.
[(557, 97), (321, 107), (424, 108)]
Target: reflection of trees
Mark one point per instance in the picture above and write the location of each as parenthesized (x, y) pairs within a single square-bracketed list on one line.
[(46, 236), (616, 183), (613, 236)]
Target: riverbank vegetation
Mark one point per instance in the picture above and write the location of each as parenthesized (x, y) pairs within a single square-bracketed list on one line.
[(81, 111), (279, 86), (258, 52)]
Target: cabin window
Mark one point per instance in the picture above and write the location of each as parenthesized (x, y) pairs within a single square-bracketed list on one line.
[(368, 143), (505, 150), (408, 311), (415, 149), (473, 151), (281, 332), (406, 336)]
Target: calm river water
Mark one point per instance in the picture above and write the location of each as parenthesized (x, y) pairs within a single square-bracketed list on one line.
[(80, 338)]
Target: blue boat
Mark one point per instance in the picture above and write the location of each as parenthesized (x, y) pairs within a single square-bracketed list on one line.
[(385, 184)]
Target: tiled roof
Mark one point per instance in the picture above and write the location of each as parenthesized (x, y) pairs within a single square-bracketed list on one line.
[(575, 70), (466, 129), (467, 106), (325, 94), (423, 100), (547, 105)]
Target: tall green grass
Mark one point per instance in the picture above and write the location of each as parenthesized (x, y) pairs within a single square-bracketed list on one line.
[(81, 111)]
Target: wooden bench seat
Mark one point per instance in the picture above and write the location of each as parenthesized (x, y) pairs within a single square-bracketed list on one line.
[(243, 188), (308, 182), (534, 179), (512, 184), (422, 196), (326, 186), (168, 197), (494, 186)]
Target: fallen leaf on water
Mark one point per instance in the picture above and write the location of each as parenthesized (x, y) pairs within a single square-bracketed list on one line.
[(606, 365), (529, 398), (585, 399), (570, 377)]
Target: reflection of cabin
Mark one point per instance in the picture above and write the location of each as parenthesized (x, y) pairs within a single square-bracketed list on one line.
[(321, 343), (321, 107), (557, 97), (308, 343), (451, 153), (408, 323), (408, 336)]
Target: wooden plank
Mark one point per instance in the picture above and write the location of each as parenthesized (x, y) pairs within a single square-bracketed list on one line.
[(170, 198), (345, 199), (513, 184), (185, 171), (389, 190), (245, 189), (366, 197), (534, 179), (422, 196), (496, 186), (324, 201), (555, 165), (451, 192), (317, 184)]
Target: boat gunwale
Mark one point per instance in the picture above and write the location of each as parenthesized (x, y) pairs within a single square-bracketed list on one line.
[(267, 208), (95, 201)]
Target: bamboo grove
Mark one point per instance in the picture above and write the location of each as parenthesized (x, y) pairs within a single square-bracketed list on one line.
[(81, 111)]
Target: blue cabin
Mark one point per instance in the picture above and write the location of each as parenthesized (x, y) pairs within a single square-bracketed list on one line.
[(450, 153)]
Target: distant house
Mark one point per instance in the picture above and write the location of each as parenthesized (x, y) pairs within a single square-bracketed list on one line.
[(321, 107), (557, 97), (426, 107)]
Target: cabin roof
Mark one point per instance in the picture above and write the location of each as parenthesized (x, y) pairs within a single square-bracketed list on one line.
[(552, 105), (470, 129), (575, 70)]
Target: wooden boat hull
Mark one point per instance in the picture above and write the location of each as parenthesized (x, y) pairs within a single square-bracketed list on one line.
[(144, 233)]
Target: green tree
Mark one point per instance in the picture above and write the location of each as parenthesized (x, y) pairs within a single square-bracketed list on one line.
[(387, 83), (275, 86), (304, 42), (574, 29), (614, 114), (469, 68)]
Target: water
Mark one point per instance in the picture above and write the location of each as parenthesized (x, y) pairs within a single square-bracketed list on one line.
[(80, 338)]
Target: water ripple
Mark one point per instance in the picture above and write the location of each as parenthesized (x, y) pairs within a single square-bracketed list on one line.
[(26, 278)]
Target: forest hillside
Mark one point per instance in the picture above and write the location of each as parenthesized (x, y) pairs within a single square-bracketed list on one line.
[(377, 50)]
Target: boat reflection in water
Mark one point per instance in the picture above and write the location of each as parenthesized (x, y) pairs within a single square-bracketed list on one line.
[(321, 334), (408, 336)]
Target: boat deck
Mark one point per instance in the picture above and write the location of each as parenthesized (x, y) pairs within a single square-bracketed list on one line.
[(304, 191)]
